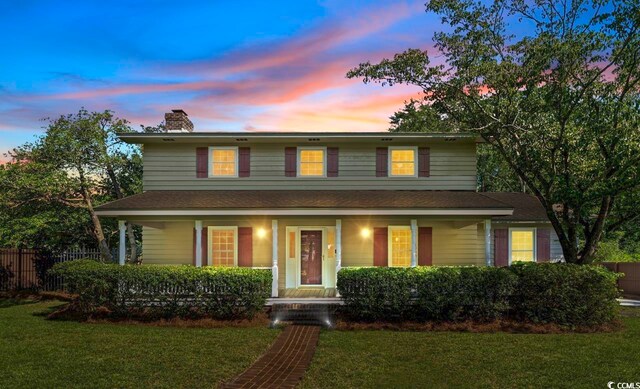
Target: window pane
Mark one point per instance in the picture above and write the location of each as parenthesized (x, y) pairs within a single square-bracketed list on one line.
[(400, 247), (312, 162), (522, 245), (223, 162), (223, 244), (403, 162)]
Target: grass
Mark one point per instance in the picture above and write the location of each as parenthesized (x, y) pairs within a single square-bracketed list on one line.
[(379, 359), (40, 353), (35, 352)]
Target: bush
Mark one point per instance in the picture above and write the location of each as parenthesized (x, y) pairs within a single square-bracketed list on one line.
[(5, 276), (377, 293), (564, 294), (426, 293), (464, 293), (166, 291)]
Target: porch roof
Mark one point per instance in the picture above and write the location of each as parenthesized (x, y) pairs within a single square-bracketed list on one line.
[(193, 202), (526, 207)]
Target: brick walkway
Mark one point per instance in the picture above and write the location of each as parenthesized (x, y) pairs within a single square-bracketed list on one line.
[(284, 364)]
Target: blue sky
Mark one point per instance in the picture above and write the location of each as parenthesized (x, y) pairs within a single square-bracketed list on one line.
[(232, 66)]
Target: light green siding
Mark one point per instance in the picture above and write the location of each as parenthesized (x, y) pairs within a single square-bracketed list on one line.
[(456, 241), (172, 167)]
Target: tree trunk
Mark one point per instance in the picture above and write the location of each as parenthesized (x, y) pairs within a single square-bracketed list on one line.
[(105, 254), (133, 248), (97, 227)]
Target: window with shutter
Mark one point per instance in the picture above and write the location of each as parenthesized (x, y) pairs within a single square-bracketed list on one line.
[(312, 162), (402, 161), (399, 246), (522, 244), (223, 246), (224, 162)]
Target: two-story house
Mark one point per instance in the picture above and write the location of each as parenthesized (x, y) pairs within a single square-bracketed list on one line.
[(307, 204)]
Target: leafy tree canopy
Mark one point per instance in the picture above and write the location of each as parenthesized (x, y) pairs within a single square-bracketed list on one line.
[(51, 186), (560, 105)]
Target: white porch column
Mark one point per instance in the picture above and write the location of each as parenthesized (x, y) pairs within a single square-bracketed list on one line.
[(198, 225), (487, 242), (274, 258), (338, 251), (122, 248), (414, 243)]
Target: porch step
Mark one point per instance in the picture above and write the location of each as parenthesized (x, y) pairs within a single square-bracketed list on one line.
[(304, 313)]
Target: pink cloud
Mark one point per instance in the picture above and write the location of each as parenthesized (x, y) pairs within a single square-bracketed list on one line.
[(297, 84)]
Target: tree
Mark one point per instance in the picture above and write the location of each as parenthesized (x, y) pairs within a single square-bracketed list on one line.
[(78, 162), (560, 104), (494, 174)]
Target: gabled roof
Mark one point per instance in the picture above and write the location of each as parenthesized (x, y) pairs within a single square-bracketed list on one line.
[(526, 207), (362, 202)]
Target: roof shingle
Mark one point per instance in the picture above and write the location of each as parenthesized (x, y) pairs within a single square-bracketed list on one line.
[(303, 199)]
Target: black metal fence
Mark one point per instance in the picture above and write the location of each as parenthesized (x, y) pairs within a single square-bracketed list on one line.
[(27, 268)]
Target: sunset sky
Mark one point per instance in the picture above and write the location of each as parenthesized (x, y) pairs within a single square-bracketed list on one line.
[(232, 66)]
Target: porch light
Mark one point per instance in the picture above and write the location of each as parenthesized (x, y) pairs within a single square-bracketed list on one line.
[(365, 232), (262, 232)]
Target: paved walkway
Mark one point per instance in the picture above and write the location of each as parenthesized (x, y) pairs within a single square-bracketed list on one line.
[(284, 364)]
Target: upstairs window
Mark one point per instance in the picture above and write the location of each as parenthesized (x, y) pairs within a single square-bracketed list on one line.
[(402, 161), (223, 162), (312, 162), (522, 241)]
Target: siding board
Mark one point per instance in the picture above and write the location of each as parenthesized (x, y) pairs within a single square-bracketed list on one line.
[(172, 167)]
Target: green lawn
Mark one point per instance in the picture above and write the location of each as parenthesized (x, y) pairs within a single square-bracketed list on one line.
[(381, 359), (35, 352), (40, 353)]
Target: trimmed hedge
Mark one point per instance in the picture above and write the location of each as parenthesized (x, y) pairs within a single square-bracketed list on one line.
[(563, 294), (166, 291)]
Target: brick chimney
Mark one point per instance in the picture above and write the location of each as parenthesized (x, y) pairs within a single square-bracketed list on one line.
[(177, 121)]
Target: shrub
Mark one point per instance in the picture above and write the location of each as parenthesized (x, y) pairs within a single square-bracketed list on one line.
[(166, 291), (464, 293), (564, 294), (5, 276), (377, 293), (426, 293)]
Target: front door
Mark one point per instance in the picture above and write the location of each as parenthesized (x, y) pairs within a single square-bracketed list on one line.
[(311, 257)]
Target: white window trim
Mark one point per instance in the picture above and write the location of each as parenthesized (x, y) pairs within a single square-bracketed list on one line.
[(210, 230), (535, 242), (299, 161), (390, 242), (210, 161), (390, 164)]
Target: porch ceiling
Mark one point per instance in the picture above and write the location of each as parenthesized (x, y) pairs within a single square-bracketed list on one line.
[(316, 202)]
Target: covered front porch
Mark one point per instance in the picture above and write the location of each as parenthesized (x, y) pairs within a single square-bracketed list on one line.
[(305, 238)]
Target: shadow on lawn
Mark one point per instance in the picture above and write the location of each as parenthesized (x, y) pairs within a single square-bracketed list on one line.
[(7, 302)]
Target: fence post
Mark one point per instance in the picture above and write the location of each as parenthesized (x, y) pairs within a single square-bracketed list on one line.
[(19, 268)]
